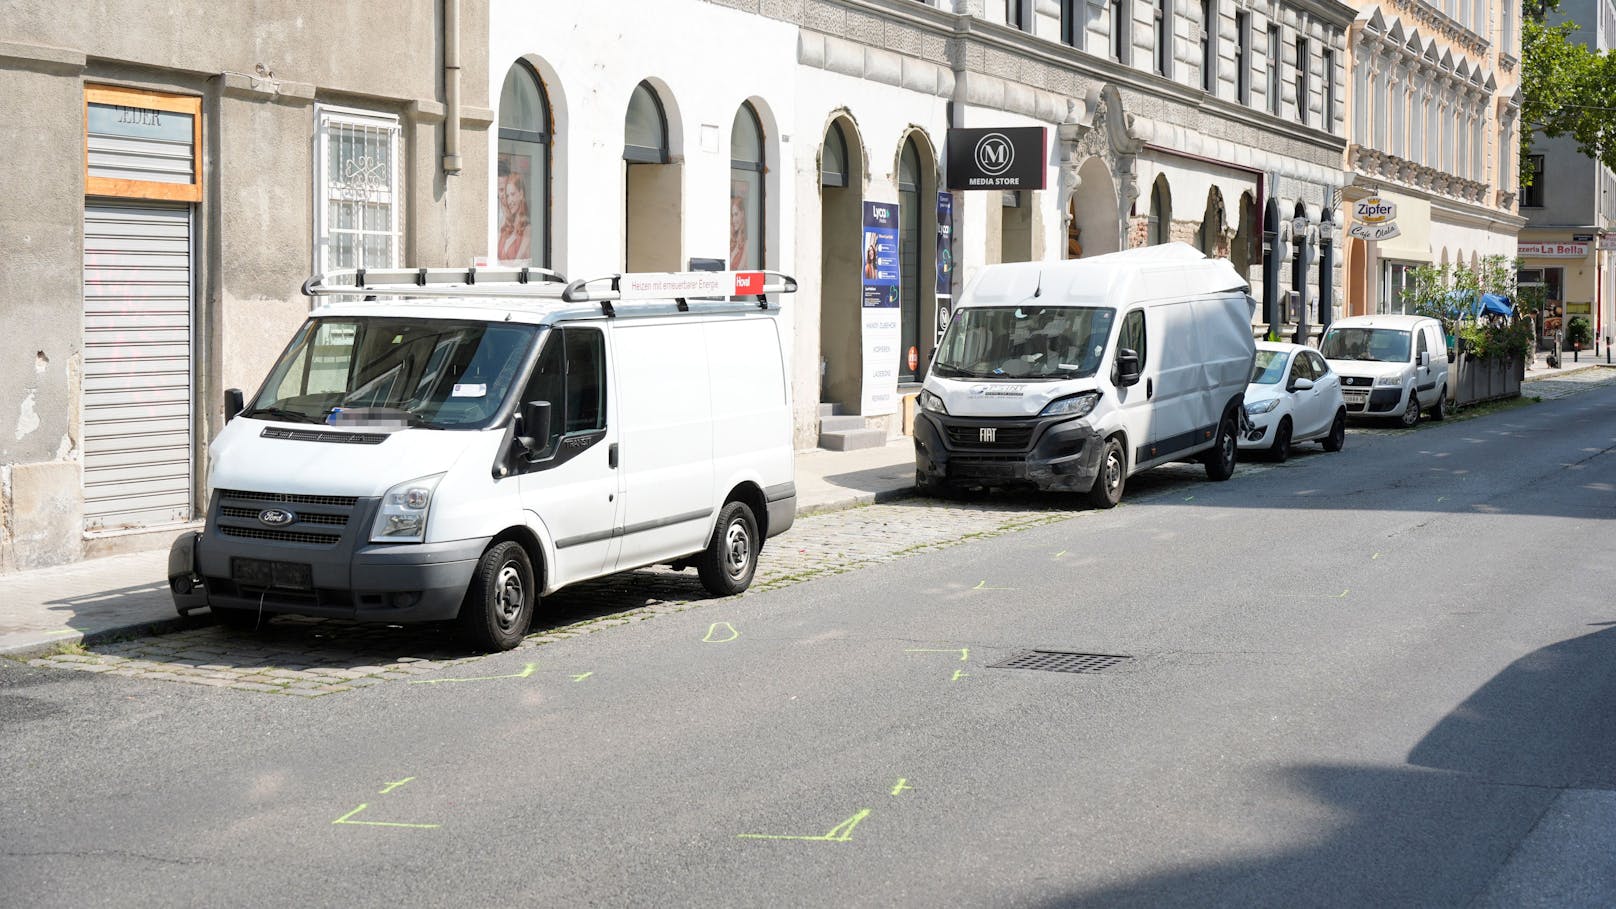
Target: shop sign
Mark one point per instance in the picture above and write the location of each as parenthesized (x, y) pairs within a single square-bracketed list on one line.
[(1552, 250), (1607, 243), (1374, 210), (1364, 231), (1005, 158), (945, 260), (1582, 238), (879, 299)]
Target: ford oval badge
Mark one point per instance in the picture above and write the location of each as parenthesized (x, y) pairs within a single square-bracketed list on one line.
[(276, 517)]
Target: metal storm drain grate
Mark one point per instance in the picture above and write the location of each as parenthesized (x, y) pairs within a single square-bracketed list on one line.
[(1062, 661)]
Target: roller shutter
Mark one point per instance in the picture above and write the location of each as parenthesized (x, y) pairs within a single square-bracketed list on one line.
[(137, 365)]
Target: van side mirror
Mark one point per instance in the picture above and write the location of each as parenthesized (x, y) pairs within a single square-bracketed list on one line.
[(535, 432), (1127, 367), (1425, 358), (234, 403)]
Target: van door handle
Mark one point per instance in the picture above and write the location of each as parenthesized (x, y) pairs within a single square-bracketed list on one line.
[(611, 456), (1150, 389)]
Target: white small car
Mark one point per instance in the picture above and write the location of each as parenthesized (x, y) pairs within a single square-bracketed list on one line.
[(1293, 397), (1390, 366)]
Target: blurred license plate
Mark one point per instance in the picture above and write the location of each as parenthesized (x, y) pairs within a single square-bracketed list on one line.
[(1356, 397), (263, 573)]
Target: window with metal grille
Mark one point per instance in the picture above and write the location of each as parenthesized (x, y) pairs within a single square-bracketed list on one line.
[(357, 169)]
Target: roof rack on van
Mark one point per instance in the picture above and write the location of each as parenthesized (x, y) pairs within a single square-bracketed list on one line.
[(680, 286), (436, 282)]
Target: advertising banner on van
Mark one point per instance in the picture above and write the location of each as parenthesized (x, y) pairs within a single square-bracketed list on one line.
[(945, 261), (880, 309), (1011, 157)]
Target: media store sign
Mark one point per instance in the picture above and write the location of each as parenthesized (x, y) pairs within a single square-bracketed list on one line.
[(1012, 157)]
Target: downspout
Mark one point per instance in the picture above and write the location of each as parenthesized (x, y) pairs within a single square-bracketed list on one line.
[(451, 86)]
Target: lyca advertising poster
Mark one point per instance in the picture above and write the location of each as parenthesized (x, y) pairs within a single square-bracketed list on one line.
[(880, 308)]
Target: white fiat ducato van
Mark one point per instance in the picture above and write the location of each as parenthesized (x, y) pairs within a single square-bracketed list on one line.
[(1390, 366), (454, 445), (1075, 375)]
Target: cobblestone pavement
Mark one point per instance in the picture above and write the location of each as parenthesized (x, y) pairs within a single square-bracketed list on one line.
[(304, 657), (312, 657)]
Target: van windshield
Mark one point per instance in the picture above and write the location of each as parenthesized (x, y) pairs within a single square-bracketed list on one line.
[(431, 373), (1024, 342), (1384, 345)]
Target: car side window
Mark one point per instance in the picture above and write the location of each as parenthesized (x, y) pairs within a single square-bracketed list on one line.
[(571, 375), (1299, 369), (1132, 336), (1420, 348), (1320, 367)]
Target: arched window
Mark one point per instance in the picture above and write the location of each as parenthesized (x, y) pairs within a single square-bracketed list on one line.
[(645, 129), (909, 182), (833, 166), (746, 191), (1161, 212), (523, 174)]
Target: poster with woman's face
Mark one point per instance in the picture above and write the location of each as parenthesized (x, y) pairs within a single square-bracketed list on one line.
[(514, 245), (738, 191)]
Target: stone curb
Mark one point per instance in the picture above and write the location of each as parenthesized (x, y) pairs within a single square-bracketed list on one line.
[(858, 500), (148, 627)]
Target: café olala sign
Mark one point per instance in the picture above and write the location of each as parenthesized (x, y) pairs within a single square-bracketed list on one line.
[(1374, 218)]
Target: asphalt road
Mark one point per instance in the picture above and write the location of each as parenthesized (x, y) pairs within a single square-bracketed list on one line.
[(1379, 677)]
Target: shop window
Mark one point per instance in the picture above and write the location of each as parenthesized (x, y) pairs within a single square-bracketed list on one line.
[(142, 145), (833, 163), (357, 170), (746, 191), (1396, 279), (523, 173)]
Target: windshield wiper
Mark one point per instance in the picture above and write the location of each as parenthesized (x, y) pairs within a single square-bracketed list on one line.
[(280, 413)]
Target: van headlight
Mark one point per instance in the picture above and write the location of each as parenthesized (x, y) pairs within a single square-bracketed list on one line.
[(402, 517), (1071, 405), (930, 401), (1257, 407), (1389, 380)]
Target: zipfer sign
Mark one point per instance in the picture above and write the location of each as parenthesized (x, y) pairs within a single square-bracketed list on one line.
[(1014, 157)]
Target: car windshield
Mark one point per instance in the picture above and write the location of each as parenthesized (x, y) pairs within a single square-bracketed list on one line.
[(431, 373), (1024, 342), (1269, 367), (1385, 345)]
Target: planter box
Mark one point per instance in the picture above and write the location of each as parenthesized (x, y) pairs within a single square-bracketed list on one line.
[(1472, 380)]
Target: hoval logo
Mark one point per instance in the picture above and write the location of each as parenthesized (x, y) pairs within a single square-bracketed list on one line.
[(276, 517), (994, 154)]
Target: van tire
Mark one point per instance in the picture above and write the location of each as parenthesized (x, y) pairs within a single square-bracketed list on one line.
[(1281, 447), (1338, 432), (500, 602), (1411, 413), (1440, 411), (727, 564), (1220, 460), (1112, 476)]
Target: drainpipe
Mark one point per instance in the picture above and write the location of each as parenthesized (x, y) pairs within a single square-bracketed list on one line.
[(451, 86), (1326, 268)]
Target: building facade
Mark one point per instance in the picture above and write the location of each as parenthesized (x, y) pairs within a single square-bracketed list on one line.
[(176, 173), (1434, 128), (1570, 207), (1152, 121)]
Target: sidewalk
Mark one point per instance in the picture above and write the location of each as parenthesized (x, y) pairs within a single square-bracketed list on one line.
[(127, 595), (1539, 367)]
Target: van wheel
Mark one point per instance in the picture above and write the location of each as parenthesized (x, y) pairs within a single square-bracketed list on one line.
[(500, 602), (1338, 432), (727, 564), (1220, 460), (1440, 411), (1411, 413), (1107, 489), (1281, 447), (238, 619)]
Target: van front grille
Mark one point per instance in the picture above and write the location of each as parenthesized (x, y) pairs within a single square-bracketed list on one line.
[(999, 436), (287, 498), (280, 536)]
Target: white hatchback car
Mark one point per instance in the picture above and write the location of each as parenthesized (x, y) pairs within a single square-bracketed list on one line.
[(1293, 397)]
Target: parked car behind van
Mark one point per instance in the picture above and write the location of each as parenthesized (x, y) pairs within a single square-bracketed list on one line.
[(470, 442), (1074, 375), (1390, 366), (1294, 396)]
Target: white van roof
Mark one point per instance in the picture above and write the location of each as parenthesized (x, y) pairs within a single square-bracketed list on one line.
[(1164, 272), (1387, 320)]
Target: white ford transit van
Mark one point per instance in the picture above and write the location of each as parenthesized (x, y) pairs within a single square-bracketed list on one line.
[(1390, 366), (456, 444), (1075, 375)]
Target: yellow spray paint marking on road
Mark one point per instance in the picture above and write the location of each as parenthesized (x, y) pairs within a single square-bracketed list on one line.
[(527, 671), (1059, 554), (902, 786), (720, 628), (394, 785), (580, 678), (983, 585), (1317, 596), (840, 833), (1374, 557), (345, 820), (959, 674), (964, 652), (60, 631)]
